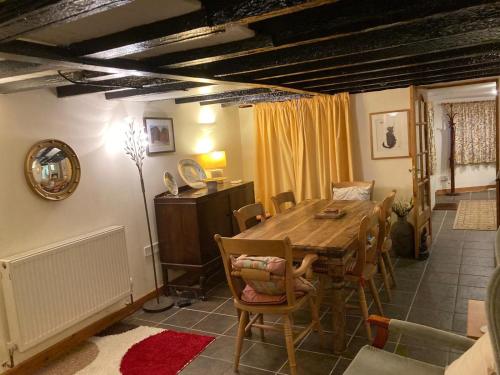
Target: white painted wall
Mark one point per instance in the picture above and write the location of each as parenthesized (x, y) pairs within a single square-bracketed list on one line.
[(388, 173), (109, 192)]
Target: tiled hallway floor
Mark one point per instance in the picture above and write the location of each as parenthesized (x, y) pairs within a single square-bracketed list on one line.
[(432, 292), (485, 194)]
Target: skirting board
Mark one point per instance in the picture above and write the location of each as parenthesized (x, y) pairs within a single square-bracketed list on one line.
[(469, 189), (34, 363)]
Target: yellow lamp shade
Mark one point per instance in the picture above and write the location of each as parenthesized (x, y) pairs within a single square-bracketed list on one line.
[(213, 160)]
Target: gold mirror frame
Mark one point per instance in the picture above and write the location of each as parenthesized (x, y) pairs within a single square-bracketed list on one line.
[(75, 164)]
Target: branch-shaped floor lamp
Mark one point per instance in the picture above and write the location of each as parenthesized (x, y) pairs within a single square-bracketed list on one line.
[(135, 148)]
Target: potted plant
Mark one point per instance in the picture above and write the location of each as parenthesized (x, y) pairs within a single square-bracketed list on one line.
[(402, 232)]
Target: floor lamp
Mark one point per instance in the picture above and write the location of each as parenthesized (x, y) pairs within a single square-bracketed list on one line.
[(135, 148)]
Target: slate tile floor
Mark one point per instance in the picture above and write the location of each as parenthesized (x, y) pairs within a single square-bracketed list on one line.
[(433, 292)]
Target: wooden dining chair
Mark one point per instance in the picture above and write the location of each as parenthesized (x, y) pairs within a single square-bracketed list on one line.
[(250, 215), (362, 268), (350, 184), (267, 264), (280, 199), (385, 244)]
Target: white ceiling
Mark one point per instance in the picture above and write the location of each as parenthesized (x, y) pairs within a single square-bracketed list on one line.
[(120, 18), (463, 93)]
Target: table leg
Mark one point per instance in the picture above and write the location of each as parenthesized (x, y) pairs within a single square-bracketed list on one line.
[(338, 309)]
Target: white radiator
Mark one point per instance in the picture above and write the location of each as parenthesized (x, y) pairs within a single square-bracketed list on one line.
[(52, 288)]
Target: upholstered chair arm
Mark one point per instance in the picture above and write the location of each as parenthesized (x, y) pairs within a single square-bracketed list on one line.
[(305, 266), (437, 336)]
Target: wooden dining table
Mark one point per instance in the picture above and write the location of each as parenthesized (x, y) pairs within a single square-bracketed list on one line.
[(334, 240)]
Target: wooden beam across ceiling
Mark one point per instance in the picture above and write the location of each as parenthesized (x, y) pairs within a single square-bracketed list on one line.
[(470, 26), (131, 82), (19, 17), (178, 86), (211, 19), (326, 22), (224, 95)]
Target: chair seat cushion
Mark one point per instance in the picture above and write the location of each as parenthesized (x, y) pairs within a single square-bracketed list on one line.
[(251, 296), (373, 361), (274, 285), (352, 193)]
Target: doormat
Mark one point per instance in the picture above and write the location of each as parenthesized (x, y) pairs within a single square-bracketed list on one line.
[(450, 206), (476, 215)]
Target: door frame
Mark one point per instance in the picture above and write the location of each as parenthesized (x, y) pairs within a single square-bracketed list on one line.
[(495, 80)]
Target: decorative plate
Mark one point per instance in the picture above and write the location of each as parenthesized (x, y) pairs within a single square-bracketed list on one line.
[(192, 173), (170, 183)]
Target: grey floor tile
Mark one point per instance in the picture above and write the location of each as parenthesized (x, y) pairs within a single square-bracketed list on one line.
[(341, 366), (467, 269), (227, 308), (471, 292), (473, 280), (206, 366), (480, 253), (477, 261), (439, 303), (395, 311), (432, 318), (313, 343), (215, 323), (352, 323), (443, 267), (445, 258), (460, 323), (185, 318), (480, 245), (221, 290), (437, 290), (265, 356), (246, 370), (406, 285), (448, 243), (224, 348), (461, 305), (156, 317), (432, 277), (211, 304), (309, 363)]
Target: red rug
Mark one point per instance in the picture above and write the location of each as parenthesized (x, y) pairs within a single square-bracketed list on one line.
[(166, 353)]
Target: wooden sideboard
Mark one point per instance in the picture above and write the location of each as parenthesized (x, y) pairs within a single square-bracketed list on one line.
[(186, 225)]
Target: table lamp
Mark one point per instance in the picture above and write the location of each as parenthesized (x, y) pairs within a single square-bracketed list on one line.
[(214, 162)]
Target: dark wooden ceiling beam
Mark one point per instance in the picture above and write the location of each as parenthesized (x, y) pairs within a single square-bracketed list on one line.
[(422, 71), (19, 17), (417, 80), (110, 84), (245, 47), (212, 19), (269, 98), (470, 26), (471, 56), (370, 61), (179, 86), (223, 95), (48, 81)]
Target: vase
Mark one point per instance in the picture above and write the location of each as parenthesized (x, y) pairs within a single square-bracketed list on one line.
[(403, 238)]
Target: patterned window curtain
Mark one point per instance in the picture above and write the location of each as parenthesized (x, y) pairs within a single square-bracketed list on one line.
[(474, 131), (432, 140)]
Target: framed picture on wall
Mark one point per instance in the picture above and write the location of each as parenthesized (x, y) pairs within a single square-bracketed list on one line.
[(389, 134), (160, 133)]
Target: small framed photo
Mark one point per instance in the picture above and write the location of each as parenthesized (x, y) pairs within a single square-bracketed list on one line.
[(160, 133), (389, 134)]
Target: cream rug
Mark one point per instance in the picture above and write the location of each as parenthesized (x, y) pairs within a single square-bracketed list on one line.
[(476, 215), (99, 355)]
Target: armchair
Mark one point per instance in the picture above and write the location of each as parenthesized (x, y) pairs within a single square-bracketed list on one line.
[(374, 361)]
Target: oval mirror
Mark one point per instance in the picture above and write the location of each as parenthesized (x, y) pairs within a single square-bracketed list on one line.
[(52, 169)]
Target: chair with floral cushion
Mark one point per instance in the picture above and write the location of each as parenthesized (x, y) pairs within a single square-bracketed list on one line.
[(262, 281), (481, 357)]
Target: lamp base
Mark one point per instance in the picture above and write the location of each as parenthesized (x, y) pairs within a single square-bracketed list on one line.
[(152, 306)]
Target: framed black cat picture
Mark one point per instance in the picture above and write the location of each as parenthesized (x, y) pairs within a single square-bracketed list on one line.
[(389, 134)]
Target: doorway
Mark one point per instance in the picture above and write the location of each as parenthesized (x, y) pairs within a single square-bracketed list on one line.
[(464, 165)]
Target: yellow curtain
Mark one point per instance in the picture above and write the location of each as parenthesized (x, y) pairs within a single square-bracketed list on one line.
[(302, 145)]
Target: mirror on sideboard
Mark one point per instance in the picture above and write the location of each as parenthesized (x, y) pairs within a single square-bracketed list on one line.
[(52, 169)]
